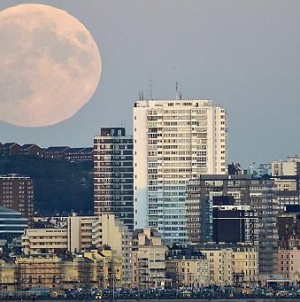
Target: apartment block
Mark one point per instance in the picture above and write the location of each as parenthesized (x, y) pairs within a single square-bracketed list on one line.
[(288, 263), (220, 264), (288, 167), (186, 267), (113, 174), (174, 140), (245, 264), (17, 193), (148, 259), (231, 264), (258, 193)]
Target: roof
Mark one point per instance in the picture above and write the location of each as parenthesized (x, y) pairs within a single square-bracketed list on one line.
[(74, 149), (27, 146), (7, 210), (57, 148), (10, 144)]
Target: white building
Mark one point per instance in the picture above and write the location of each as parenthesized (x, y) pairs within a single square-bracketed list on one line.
[(174, 140)]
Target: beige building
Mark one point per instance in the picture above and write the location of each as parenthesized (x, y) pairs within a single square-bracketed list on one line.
[(245, 264), (36, 241), (285, 184), (109, 231), (288, 167), (232, 264), (106, 269), (288, 263), (286, 176), (186, 267), (38, 270), (80, 234), (193, 272), (8, 275), (220, 265), (77, 272), (148, 259)]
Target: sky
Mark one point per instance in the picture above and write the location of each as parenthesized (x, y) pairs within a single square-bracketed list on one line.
[(244, 55)]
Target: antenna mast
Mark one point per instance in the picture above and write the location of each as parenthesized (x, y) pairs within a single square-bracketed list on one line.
[(150, 89)]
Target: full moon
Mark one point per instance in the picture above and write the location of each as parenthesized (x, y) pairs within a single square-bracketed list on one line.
[(50, 65)]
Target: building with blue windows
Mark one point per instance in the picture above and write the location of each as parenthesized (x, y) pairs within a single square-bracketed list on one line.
[(12, 226)]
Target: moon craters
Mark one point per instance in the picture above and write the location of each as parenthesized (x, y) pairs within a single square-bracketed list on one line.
[(50, 65)]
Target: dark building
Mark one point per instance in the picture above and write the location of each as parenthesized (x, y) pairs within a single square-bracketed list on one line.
[(16, 193), (233, 224), (78, 154), (30, 149), (9, 149), (55, 153), (87, 154), (113, 174), (223, 200), (12, 226), (289, 226)]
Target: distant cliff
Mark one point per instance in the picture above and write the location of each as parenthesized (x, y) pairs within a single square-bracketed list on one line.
[(59, 186)]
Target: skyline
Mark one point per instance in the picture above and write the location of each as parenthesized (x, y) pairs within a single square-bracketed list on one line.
[(241, 55)]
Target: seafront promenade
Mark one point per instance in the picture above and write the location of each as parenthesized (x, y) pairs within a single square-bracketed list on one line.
[(244, 299)]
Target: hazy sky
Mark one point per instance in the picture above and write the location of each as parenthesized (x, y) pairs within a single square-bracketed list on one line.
[(242, 54)]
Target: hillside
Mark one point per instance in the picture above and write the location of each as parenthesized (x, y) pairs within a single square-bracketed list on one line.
[(60, 186)]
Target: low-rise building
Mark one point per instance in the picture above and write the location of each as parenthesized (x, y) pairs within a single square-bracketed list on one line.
[(245, 264), (220, 264), (232, 264), (79, 235), (12, 227), (8, 280), (30, 149), (288, 263), (107, 268), (55, 152), (9, 149), (148, 259), (186, 267), (39, 270)]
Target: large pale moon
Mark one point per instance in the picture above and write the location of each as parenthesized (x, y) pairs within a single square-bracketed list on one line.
[(50, 65)]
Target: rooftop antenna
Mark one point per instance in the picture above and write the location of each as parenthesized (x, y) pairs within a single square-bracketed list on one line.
[(150, 89), (176, 91), (141, 96)]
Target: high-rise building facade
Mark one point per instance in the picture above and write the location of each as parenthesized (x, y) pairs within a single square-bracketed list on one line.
[(16, 193), (258, 193), (174, 140), (113, 174)]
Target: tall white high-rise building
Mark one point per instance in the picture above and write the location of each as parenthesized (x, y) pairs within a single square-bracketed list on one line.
[(174, 141)]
